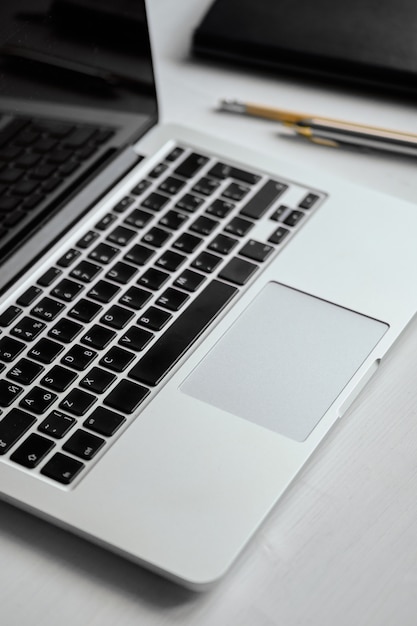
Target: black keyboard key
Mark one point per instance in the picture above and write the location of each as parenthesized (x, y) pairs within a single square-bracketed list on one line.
[(222, 171), (171, 185), (58, 378), (98, 337), (25, 371), (158, 170), (173, 220), (308, 201), (121, 273), (189, 203), (206, 262), (60, 156), (204, 225), (103, 291), (106, 221), (187, 243), (206, 186), (67, 290), (65, 330), (10, 349), (45, 350), (29, 296), (238, 271), (222, 244), (11, 129), (26, 187), (14, 218), (62, 468), (256, 251), (79, 137), (27, 329), (85, 310), (68, 258), (8, 393), (139, 254), (53, 128), (293, 218), (279, 235), (220, 208), (83, 444), (78, 358), (172, 299), (117, 359), (174, 154), (155, 201), (116, 317), (97, 380), (236, 191), (191, 165), (262, 200), (104, 422), (126, 397), (77, 402), (57, 424), (32, 451), (103, 253), (121, 235), (135, 338), (47, 309), (12, 427), (33, 200), (51, 184), (279, 212), (184, 331), (135, 298), (156, 237), (86, 271), (153, 279), (189, 280), (10, 315), (9, 204), (138, 218), (10, 175), (123, 204), (154, 318), (170, 261), (239, 226), (38, 400), (49, 277), (43, 172), (142, 186)]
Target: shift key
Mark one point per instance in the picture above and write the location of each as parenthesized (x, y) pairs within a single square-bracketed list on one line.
[(12, 427)]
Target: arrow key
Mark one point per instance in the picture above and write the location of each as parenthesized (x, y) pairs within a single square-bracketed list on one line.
[(31, 452)]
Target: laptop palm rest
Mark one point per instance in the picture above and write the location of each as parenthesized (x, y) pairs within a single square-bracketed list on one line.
[(285, 360)]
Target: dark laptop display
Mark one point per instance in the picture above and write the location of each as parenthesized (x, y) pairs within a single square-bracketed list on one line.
[(76, 88)]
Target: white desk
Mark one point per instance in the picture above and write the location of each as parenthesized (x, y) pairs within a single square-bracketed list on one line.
[(341, 548)]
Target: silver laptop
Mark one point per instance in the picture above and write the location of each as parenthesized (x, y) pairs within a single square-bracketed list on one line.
[(185, 333)]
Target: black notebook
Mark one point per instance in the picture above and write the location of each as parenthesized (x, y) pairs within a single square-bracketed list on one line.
[(362, 41)]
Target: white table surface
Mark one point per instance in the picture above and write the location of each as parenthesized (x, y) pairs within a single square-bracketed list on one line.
[(341, 547)]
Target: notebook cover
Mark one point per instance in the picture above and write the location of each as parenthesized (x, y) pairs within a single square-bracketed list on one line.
[(360, 41)]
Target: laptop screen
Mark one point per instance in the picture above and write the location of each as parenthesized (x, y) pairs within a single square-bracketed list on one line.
[(76, 91), (92, 55)]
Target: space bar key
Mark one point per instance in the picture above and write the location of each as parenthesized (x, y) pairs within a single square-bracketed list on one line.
[(163, 355)]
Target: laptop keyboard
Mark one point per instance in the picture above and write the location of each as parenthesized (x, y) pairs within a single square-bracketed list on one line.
[(37, 159), (88, 339)]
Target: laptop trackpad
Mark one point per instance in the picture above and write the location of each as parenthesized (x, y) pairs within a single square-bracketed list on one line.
[(285, 360)]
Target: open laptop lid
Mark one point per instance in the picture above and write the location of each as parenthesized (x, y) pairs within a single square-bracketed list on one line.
[(83, 61)]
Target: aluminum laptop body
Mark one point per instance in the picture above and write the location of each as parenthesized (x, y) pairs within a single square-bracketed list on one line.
[(191, 474)]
